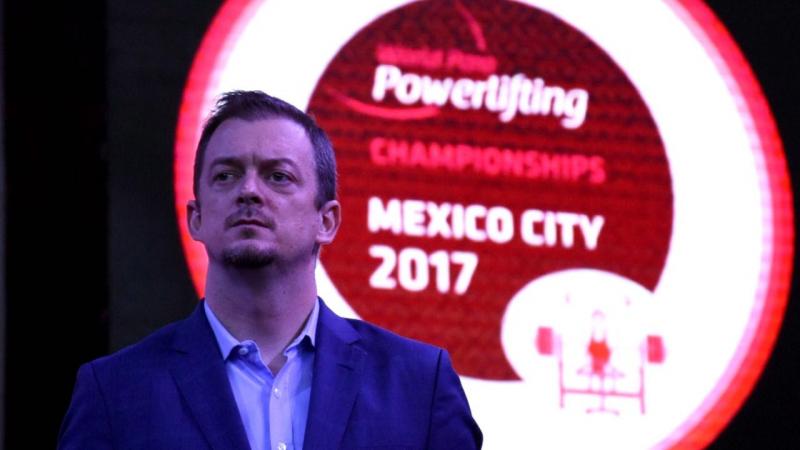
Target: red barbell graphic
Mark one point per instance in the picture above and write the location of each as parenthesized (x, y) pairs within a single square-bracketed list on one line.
[(601, 374)]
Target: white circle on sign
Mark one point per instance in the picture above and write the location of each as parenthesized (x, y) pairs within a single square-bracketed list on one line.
[(719, 280), (589, 347)]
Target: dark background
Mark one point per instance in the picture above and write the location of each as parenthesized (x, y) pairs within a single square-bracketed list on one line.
[(92, 91)]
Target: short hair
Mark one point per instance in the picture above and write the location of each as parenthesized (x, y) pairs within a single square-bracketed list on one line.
[(256, 105)]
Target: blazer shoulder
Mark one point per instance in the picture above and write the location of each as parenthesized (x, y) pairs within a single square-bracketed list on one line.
[(148, 352), (378, 341)]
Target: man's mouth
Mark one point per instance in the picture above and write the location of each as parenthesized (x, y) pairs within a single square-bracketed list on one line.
[(248, 217), (249, 222)]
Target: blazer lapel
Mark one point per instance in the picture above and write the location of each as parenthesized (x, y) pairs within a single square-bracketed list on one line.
[(334, 387), (199, 372)]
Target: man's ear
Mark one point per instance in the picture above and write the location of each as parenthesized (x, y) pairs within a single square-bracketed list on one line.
[(330, 219), (193, 219)]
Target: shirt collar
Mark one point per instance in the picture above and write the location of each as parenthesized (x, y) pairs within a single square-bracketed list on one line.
[(227, 343)]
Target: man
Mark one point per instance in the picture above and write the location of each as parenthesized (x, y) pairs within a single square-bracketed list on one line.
[(262, 363)]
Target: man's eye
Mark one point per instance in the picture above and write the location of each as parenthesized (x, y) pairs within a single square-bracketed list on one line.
[(223, 176), (279, 177)]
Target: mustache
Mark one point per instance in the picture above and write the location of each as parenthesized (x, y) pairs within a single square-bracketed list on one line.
[(249, 214)]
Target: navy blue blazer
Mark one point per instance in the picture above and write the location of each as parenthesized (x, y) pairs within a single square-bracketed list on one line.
[(370, 389)]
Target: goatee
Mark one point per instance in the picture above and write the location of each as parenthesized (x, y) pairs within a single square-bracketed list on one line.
[(247, 258)]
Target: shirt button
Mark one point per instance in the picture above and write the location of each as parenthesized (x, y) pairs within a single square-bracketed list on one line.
[(281, 446), (243, 351), (277, 393)]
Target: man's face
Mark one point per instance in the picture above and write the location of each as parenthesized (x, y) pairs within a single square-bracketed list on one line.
[(256, 196)]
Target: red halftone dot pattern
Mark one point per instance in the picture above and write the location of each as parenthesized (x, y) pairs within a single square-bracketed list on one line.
[(610, 164)]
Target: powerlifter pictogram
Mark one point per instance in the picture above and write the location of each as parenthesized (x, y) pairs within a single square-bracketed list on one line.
[(600, 370)]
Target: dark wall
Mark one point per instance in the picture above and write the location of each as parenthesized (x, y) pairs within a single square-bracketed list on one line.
[(56, 167), (151, 45), (767, 34), (92, 95)]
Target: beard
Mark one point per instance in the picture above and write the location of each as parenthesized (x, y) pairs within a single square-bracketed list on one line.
[(247, 257)]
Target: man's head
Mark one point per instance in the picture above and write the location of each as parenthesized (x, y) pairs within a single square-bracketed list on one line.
[(254, 105), (264, 182)]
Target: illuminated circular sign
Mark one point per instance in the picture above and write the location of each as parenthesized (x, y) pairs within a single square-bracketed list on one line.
[(591, 214)]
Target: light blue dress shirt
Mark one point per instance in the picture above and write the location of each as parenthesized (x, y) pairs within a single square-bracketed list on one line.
[(273, 407)]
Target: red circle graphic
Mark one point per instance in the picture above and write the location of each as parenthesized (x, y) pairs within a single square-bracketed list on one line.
[(420, 108)]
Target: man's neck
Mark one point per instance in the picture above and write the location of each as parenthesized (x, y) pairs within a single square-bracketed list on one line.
[(268, 306)]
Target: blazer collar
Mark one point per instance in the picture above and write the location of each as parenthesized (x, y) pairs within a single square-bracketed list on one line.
[(200, 375), (199, 372), (334, 387)]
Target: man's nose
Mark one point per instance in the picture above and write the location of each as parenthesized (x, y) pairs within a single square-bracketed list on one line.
[(249, 192)]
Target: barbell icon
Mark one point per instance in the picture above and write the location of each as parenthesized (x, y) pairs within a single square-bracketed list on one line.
[(548, 343)]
